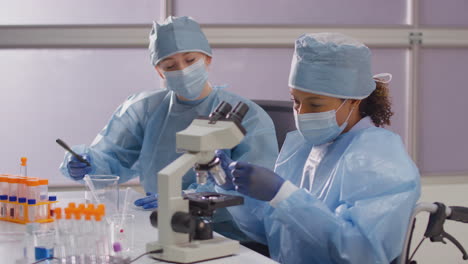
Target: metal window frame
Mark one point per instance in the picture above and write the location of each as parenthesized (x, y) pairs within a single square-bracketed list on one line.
[(136, 36), (412, 37)]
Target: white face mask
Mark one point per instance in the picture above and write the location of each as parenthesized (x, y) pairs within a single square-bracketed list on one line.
[(188, 82), (320, 128)]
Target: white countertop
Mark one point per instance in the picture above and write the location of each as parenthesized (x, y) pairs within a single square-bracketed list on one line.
[(144, 232)]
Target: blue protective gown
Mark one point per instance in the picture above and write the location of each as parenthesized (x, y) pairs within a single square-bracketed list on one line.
[(139, 140), (357, 211)]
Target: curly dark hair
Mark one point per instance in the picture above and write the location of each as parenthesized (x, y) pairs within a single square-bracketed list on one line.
[(378, 105)]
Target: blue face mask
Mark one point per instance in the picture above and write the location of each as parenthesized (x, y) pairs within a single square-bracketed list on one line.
[(188, 82), (320, 128)]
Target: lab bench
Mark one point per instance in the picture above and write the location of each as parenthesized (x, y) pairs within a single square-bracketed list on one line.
[(143, 233)]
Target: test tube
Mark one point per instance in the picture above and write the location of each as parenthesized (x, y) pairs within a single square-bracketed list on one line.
[(23, 167), (102, 209), (61, 246), (77, 231), (22, 187), (22, 208), (43, 197), (89, 235), (43, 190), (52, 198), (4, 185), (12, 207), (32, 210), (102, 231), (33, 188), (3, 206), (69, 239), (13, 185)]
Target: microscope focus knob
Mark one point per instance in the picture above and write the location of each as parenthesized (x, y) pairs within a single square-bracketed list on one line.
[(154, 218), (183, 222)]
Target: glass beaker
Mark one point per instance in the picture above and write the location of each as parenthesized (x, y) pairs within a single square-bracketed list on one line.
[(44, 243), (106, 190)]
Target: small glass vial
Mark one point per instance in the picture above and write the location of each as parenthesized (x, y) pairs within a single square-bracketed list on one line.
[(12, 207), (53, 199), (3, 206), (31, 210), (22, 209)]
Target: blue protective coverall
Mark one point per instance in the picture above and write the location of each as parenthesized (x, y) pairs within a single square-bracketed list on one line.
[(363, 190), (139, 140)]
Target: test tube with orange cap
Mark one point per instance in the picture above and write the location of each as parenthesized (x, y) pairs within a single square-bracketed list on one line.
[(58, 219), (22, 187), (33, 188), (58, 213), (13, 185), (43, 190), (4, 184), (102, 231), (68, 213), (43, 197), (61, 236), (102, 209), (23, 166), (67, 227)]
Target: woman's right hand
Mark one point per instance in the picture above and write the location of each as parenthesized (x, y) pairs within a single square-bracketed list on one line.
[(78, 169)]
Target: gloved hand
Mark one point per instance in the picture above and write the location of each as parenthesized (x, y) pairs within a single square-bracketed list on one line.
[(148, 202), (225, 161), (255, 181), (78, 169)]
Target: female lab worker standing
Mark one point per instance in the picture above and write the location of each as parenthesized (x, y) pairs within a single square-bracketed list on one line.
[(343, 188), (139, 140)]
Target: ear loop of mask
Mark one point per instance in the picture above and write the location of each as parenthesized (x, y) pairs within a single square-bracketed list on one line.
[(350, 112)]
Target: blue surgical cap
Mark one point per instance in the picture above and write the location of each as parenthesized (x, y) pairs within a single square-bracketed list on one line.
[(175, 35), (332, 64)]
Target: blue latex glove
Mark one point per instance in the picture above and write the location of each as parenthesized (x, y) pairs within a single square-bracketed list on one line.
[(225, 161), (255, 181), (148, 202), (78, 169)]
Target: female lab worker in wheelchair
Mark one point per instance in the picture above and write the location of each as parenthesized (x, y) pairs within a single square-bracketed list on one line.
[(343, 188), (139, 140)]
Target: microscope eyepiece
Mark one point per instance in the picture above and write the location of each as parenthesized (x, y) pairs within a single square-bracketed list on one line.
[(238, 113), (220, 111)]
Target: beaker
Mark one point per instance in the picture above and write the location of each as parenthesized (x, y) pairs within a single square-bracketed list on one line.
[(106, 189), (44, 243)]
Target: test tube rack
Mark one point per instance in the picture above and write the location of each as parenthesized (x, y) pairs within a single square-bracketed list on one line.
[(42, 216)]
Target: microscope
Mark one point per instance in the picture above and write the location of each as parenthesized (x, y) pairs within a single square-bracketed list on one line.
[(183, 221)]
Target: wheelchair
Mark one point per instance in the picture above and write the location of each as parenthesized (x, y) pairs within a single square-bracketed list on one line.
[(438, 214)]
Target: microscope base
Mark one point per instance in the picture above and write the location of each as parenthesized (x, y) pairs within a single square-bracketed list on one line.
[(195, 251)]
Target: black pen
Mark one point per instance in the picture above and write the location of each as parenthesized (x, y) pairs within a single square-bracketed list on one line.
[(67, 148)]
